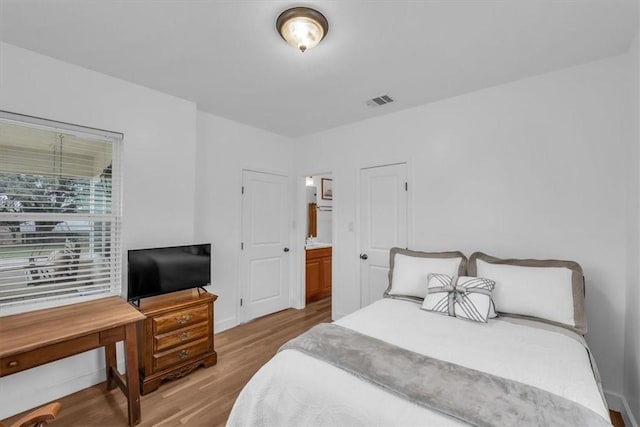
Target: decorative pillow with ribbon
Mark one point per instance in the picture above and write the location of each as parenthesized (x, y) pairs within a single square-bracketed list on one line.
[(464, 297)]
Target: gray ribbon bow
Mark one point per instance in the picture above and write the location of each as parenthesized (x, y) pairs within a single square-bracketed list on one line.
[(457, 293)]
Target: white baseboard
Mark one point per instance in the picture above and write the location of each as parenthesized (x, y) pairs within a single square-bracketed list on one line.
[(338, 315), (618, 403), (224, 324)]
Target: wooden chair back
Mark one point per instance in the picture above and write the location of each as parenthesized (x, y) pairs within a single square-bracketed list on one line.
[(38, 418)]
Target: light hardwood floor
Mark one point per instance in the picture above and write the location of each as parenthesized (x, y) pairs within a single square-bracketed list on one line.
[(205, 397)]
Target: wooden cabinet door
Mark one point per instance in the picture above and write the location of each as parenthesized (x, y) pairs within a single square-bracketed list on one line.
[(325, 280), (314, 271), (318, 276)]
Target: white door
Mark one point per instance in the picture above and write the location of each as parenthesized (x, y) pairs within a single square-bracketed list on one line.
[(264, 265), (383, 225)]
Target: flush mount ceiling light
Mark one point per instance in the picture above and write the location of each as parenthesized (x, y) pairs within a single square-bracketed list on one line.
[(302, 27)]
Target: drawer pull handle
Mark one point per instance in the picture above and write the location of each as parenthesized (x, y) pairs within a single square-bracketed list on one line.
[(183, 319), (13, 363), (183, 336), (182, 354)]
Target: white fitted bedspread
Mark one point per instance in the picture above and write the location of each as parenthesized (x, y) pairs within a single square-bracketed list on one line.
[(294, 389)]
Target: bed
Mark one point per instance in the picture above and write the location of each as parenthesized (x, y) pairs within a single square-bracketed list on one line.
[(424, 360)]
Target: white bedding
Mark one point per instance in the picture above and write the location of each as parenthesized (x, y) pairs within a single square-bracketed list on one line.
[(293, 389)]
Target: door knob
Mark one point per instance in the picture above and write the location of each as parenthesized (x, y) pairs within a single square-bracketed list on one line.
[(286, 249), (364, 256)]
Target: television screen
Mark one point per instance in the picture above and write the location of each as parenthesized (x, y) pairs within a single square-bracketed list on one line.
[(162, 270)]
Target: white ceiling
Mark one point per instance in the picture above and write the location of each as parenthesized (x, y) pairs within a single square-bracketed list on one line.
[(228, 57)]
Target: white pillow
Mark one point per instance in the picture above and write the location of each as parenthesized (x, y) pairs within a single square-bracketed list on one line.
[(543, 292), (438, 299), (473, 304), (483, 306), (410, 273)]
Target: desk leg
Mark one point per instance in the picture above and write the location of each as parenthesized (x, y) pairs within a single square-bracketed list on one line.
[(111, 362), (133, 384)]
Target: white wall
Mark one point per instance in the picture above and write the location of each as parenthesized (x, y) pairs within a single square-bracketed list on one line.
[(226, 147), (534, 168), (632, 331), (159, 198), (529, 169)]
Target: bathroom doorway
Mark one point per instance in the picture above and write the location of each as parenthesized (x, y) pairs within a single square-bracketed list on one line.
[(318, 244), (319, 192)]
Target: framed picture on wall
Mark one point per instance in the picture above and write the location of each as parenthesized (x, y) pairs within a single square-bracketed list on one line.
[(326, 189)]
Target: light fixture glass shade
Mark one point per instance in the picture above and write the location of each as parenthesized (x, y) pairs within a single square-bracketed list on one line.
[(302, 28)]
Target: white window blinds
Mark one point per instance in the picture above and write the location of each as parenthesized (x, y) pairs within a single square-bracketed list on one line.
[(60, 213)]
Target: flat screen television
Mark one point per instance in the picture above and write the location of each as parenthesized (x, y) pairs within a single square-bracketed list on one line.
[(157, 271)]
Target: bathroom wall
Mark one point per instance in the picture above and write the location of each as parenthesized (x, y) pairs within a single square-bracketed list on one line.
[(325, 210)]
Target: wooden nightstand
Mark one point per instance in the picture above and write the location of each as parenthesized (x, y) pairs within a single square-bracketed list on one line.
[(176, 337)]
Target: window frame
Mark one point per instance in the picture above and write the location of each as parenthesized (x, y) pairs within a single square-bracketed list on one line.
[(115, 262)]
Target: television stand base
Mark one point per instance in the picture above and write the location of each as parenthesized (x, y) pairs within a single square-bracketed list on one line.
[(176, 337)]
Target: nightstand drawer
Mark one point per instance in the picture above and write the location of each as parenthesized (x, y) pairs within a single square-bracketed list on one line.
[(180, 336), (181, 354), (180, 319)]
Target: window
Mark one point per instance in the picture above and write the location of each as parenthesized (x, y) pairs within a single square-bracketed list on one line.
[(60, 213)]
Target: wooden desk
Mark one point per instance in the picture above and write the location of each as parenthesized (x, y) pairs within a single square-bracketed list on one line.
[(38, 337)]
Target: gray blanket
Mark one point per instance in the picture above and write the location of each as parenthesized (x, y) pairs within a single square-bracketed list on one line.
[(469, 395)]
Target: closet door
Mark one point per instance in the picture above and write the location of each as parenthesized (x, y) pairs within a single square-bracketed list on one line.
[(264, 261), (383, 225)]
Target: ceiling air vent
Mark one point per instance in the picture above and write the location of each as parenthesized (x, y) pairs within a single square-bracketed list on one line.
[(379, 100)]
